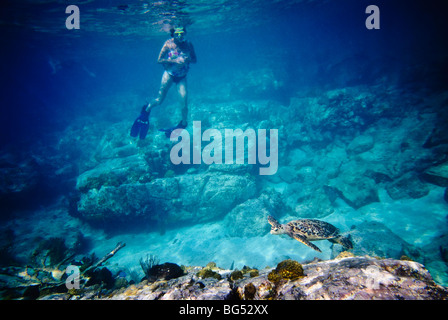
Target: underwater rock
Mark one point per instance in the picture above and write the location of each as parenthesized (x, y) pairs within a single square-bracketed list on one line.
[(307, 197), (317, 205), (31, 182), (350, 278), (407, 186), (328, 162), (115, 172), (436, 256), (363, 278), (126, 202), (233, 168), (7, 238), (365, 238), (437, 137), (355, 188), (299, 158), (248, 219), (17, 177), (287, 174), (360, 144), (340, 111), (437, 175), (222, 192), (192, 198), (260, 82)]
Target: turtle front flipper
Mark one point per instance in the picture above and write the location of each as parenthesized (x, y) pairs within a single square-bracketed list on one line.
[(303, 240)]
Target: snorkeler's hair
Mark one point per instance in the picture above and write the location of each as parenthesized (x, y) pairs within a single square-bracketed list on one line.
[(174, 29)]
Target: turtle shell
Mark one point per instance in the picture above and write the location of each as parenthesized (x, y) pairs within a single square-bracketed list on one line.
[(313, 229)]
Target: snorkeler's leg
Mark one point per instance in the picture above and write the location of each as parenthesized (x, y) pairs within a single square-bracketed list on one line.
[(165, 85), (141, 124), (182, 87)]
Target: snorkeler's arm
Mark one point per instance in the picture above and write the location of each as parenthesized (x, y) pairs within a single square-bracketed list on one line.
[(163, 53), (192, 54)]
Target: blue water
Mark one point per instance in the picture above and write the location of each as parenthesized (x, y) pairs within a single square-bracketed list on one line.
[(310, 69)]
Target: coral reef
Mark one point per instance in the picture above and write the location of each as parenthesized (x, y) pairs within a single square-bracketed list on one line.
[(348, 278)]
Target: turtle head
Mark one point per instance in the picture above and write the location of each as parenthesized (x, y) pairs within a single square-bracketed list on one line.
[(276, 228)]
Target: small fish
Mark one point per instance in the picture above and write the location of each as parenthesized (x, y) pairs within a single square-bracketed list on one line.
[(121, 274)]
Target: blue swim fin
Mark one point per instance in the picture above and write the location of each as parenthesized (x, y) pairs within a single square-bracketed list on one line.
[(141, 125), (169, 130)]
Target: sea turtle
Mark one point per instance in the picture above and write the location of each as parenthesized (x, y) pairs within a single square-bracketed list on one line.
[(306, 230)]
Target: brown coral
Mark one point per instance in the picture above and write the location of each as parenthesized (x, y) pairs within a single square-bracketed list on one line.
[(288, 270)]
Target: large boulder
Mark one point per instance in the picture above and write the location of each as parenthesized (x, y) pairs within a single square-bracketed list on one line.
[(249, 219), (335, 112), (365, 239), (360, 144), (406, 187), (317, 205), (187, 198), (355, 188), (437, 175), (115, 172)]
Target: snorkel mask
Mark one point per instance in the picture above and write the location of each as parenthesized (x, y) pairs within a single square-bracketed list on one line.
[(179, 34)]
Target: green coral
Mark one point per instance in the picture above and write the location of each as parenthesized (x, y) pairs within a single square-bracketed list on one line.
[(287, 270), (273, 276), (236, 275), (208, 273), (253, 272)]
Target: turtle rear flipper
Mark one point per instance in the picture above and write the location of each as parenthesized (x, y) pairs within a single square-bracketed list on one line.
[(303, 240), (343, 241)]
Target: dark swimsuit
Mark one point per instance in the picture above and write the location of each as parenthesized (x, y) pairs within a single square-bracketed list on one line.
[(176, 80), (177, 72)]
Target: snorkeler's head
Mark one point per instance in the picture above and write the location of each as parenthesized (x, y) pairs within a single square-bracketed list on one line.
[(178, 33)]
